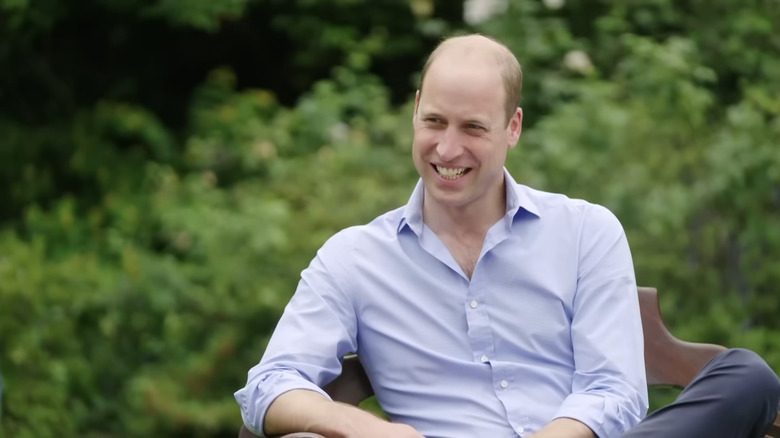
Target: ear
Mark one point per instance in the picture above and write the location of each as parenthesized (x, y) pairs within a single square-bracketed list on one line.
[(416, 104), (515, 127)]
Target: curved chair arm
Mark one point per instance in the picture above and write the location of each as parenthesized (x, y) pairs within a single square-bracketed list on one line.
[(668, 360)]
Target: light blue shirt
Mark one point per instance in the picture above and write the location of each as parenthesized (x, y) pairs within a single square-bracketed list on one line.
[(548, 325)]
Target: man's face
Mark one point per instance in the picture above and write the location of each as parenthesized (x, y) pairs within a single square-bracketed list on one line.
[(461, 135)]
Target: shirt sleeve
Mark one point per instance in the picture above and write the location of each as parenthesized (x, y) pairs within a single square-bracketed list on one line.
[(318, 327), (609, 385)]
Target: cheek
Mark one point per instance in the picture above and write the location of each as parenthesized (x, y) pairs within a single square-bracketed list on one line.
[(424, 140), (492, 151)]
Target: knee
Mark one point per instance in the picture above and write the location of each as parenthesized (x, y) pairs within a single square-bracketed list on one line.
[(751, 372)]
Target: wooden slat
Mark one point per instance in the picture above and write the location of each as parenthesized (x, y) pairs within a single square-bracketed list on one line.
[(774, 430)]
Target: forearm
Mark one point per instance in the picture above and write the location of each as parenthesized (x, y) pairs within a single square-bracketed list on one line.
[(564, 427), (308, 411)]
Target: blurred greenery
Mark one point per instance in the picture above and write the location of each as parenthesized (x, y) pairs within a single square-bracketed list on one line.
[(169, 167)]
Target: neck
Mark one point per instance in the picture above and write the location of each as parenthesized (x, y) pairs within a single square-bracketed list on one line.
[(472, 220)]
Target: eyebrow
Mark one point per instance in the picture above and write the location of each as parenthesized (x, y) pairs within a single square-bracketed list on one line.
[(434, 113), (426, 114)]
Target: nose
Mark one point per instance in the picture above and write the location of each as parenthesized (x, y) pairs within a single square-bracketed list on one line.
[(449, 147)]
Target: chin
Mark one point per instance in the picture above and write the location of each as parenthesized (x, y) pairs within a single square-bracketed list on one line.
[(447, 199)]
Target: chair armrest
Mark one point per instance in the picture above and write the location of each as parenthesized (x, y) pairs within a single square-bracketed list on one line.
[(774, 429)]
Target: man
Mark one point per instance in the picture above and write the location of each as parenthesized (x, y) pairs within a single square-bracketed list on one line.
[(482, 308)]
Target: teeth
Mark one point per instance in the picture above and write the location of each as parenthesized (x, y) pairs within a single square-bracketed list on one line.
[(448, 173)]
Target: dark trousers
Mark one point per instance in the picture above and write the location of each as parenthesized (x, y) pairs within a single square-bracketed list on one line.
[(735, 395)]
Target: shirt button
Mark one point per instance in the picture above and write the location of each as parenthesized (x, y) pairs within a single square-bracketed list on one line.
[(520, 430), (474, 304), (484, 358), (504, 383)]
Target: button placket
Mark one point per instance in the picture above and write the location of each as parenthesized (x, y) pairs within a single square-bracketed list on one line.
[(477, 315), (478, 322)]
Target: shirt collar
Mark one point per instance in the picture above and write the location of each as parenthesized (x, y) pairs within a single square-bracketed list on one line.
[(517, 197)]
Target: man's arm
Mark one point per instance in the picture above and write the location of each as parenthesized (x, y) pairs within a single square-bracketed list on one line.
[(564, 427), (319, 326), (609, 386), (308, 411)]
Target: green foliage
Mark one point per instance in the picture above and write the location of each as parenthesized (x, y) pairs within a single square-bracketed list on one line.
[(203, 14), (156, 219)]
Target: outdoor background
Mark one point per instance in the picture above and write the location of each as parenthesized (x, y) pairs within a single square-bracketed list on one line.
[(168, 167)]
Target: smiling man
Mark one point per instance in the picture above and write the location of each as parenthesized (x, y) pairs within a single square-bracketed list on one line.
[(483, 307), (466, 118)]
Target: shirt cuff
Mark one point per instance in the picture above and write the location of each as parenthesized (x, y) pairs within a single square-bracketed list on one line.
[(257, 396)]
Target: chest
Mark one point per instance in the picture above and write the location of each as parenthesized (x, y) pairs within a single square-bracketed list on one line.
[(465, 251), (510, 308)]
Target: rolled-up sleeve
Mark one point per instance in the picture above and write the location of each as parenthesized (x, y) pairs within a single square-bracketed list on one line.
[(318, 327), (609, 386)]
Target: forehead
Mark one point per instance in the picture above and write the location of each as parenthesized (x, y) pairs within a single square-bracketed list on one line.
[(463, 85)]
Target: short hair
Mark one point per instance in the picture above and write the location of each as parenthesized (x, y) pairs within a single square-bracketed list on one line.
[(511, 71)]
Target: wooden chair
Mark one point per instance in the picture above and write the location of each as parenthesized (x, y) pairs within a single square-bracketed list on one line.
[(668, 362)]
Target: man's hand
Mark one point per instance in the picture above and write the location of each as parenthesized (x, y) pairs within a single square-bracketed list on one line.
[(309, 411)]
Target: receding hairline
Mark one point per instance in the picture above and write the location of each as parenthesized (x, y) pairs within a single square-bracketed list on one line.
[(510, 69), (471, 42)]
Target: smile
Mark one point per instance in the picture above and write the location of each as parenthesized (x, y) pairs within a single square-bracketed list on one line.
[(451, 173)]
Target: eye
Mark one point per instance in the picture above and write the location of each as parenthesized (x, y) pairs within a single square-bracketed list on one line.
[(433, 120), (474, 126)]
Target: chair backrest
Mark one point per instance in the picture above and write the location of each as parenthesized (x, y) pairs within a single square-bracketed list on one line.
[(668, 360)]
